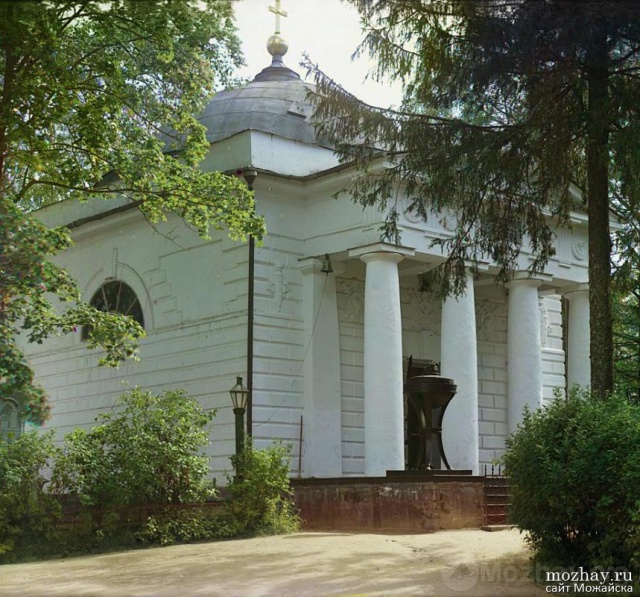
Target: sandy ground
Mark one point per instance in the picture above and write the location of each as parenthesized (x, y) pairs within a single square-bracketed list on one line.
[(464, 562)]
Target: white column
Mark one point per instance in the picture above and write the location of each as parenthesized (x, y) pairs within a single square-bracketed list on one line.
[(383, 381), (322, 429), (524, 368), (578, 350), (459, 361)]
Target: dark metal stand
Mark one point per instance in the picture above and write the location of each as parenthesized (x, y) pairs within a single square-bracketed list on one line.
[(428, 397)]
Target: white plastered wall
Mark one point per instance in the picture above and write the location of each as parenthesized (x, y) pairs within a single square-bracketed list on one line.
[(193, 294)]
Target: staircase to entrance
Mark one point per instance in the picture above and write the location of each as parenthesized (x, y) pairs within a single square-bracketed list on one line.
[(497, 497)]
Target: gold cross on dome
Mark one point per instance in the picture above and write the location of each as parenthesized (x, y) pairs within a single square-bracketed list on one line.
[(278, 12)]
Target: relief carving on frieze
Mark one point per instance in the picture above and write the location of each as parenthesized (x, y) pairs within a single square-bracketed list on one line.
[(421, 311), (410, 214), (545, 326), (491, 319), (579, 250), (350, 299), (277, 286)]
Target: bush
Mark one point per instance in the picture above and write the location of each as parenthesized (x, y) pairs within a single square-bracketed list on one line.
[(261, 496), (149, 452), (193, 524), (260, 503), (574, 472), (28, 515)]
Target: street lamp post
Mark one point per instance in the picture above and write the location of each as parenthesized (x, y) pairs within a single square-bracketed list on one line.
[(239, 395)]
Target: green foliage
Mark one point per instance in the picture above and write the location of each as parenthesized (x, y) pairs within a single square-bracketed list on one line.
[(261, 496), (188, 525), (99, 100), (260, 502), (28, 515), (148, 451), (27, 279), (145, 455), (626, 311), (574, 472)]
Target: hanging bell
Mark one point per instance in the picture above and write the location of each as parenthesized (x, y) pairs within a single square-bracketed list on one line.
[(326, 265)]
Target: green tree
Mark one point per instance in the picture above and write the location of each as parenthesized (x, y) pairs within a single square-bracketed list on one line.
[(626, 299), (98, 99), (626, 330), (505, 105)]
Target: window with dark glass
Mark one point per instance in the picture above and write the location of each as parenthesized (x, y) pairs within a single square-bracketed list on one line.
[(116, 297)]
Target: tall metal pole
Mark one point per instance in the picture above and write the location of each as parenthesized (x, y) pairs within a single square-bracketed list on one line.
[(250, 175), (252, 250)]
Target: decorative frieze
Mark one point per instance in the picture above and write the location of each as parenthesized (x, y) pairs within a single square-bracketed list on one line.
[(571, 246), (579, 250), (545, 327), (277, 287), (410, 214), (421, 311), (491, 321), (350, 295)]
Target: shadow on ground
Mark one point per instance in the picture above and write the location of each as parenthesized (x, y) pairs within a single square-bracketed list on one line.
[(468, 562)]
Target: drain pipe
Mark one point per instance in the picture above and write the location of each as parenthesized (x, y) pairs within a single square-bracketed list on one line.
[(250, 175)]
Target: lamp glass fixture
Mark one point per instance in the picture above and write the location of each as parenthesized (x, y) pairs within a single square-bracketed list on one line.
[(250, 174), (239, 394)]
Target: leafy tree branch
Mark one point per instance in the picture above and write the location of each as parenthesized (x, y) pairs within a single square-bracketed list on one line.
[(99, 99)]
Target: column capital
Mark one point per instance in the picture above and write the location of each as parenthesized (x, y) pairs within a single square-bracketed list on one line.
[(527, 279), (576, 290), (382, 248), (382, 256)]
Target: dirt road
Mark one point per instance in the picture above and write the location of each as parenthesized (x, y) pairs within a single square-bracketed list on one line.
[(465, 562)]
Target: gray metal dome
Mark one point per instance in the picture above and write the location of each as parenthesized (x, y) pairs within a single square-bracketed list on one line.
[(276, 104), (275, 107)]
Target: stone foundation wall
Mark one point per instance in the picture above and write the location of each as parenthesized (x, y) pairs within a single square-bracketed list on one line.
[(375, 504)]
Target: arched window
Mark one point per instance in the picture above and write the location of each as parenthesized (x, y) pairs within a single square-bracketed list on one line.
[(116, 297), (10, 423)]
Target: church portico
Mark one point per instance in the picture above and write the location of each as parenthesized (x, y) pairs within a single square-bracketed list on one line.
[(467, 335)]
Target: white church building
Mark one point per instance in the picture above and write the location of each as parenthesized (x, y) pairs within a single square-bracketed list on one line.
[(329, 348)]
